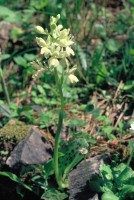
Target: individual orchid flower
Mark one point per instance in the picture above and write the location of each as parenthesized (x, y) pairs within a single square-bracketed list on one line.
[(38, 73), (41, 42), (71, 76), (69, 51), (53, 62), (39, 69)]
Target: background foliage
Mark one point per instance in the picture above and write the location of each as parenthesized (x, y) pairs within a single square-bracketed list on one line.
[(100, 106)]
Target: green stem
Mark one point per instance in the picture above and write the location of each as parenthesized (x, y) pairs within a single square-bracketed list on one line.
[(57, 137)]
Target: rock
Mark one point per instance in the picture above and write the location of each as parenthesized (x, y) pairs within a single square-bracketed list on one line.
[(79, 178), (34, 149)]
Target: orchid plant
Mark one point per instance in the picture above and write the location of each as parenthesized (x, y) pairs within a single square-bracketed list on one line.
[(56, 48)]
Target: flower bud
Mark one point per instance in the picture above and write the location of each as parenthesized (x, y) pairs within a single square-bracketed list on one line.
[(39, 29), (58, 17)]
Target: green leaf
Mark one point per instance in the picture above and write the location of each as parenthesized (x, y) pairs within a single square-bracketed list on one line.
[(111, 136), (109, 196), (4, 56), (131, 51), (96, 183), (129, 181), (102, 73), (102, 118), (96, 112), (71, 151), (82, 57), (28, 14), (118, 169), (29, 57), (54, 194), (4, 153), (20, 61), (15, 178), (113, 45), (39, 4), (131, 1), (108, 129), (49, 167), (106, 172), (100, 30), (4, 11), (131, 147), (129, 86), (112, 81), (10, 15), (122, 173), (47, 86), (41, 89), (97, 56), (125, 174), (127, 191), (19, 192), (4, 110), (76, 123), (16, 33)]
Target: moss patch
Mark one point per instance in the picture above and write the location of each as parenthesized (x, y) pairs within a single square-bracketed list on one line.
[(14, 130)]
